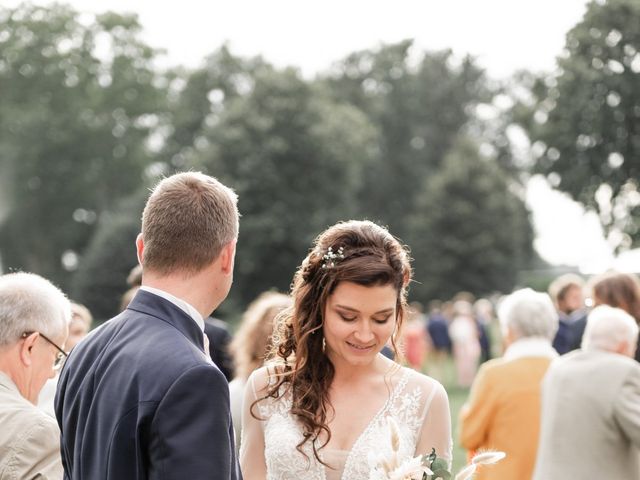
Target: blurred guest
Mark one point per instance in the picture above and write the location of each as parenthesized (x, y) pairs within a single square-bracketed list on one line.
[(34, 317), (590, 405), (251, 345), (503, 411), (134, 280), (79, 326), (620, 290), (438, 328), (414, 337), (219, 339), (466, 346), (438, 332), (483, 313), (566, 291)]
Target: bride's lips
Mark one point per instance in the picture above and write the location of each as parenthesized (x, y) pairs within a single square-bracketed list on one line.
[(361, 348)]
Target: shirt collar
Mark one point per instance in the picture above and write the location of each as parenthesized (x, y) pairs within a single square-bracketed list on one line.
[(530, 347), (178, 302), (8, 383)]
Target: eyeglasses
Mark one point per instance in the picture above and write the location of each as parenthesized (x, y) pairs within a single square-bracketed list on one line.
[(60, 356)]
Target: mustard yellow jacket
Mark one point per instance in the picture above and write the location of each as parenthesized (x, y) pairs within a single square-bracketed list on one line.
[(503, 413)]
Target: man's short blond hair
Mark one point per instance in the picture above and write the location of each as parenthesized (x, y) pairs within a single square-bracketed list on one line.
[(189, 217)]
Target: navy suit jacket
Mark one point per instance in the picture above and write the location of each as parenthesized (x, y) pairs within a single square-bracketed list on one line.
[(138, 399)]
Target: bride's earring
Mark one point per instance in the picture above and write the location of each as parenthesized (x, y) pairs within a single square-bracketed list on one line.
[(324, 344)]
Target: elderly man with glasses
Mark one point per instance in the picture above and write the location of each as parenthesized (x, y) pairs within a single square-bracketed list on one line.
[(34, 323)]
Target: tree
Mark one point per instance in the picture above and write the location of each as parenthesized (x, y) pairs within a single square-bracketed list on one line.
[(584, 121), (110, 255), (470, 232), (195, 107), (79, 103), (419, 107), (296, 158)]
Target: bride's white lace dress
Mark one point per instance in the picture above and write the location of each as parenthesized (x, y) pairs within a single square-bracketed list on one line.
[(418, 404)]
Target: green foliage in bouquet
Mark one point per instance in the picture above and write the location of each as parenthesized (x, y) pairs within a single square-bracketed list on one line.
[(438, 466)]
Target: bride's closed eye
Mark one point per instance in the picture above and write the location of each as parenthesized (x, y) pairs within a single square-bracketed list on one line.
[(382, 321), (347, 318)]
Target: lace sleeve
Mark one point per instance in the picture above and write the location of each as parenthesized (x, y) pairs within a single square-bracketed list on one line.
[(436, 423), (252, 461)]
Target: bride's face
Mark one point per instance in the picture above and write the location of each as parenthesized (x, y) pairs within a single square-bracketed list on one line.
[(358, 322)]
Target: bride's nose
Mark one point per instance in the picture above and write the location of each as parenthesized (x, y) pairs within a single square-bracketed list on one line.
[(363, 333)]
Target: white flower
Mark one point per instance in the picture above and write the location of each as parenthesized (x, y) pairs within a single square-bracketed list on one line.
[(487, 458), (466, 473), (390, 464), (411, 469)]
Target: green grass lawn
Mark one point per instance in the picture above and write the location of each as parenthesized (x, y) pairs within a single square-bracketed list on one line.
[(457, 396)]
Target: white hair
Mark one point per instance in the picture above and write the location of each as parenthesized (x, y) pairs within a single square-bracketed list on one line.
[(29, 303), (607, 327), (527, 313)]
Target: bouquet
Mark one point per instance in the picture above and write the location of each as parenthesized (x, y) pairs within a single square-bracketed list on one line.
[(423, 467)]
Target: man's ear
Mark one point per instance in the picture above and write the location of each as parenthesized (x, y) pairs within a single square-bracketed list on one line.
[(26, 348), (140, 248), (624, 348), (227, 257), (509, 336)]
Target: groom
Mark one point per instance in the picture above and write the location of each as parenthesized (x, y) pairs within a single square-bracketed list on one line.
[(139, 398)]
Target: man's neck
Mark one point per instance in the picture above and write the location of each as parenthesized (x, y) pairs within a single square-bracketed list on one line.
[(189, 289)]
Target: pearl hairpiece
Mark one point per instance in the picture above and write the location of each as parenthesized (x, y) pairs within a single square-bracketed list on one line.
[(331, 258)]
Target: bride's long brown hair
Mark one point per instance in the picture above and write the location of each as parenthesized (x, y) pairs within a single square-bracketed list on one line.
[(371, 257)]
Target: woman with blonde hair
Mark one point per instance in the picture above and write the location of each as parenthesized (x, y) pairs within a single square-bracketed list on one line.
[(251, 344), (326, 402)]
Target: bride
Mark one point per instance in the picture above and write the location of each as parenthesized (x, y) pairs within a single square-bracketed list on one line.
[(321, 408)]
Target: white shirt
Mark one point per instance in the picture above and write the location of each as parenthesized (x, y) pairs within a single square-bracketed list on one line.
[(530, 347)]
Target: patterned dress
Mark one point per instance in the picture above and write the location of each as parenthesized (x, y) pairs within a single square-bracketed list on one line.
[(409, 403)]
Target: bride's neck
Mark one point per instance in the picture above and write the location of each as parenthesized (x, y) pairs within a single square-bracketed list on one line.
[(347, 373)]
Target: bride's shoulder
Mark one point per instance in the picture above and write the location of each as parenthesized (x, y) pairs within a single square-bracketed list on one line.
[(427, 384), (263, 378)]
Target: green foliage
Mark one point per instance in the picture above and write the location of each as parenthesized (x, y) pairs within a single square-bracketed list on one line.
[(585, 120), (470, 231), (296, 158), (78, 104), (111, 254), (438, 466), (418, 106), (86, 119)]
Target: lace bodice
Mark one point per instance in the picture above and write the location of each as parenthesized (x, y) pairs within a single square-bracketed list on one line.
[(409, 404)]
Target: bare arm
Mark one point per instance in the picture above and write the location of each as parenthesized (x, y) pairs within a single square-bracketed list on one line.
[(436, 427), (252, 461)]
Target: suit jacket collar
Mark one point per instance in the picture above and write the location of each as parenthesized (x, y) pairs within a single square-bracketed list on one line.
[(156, 306)]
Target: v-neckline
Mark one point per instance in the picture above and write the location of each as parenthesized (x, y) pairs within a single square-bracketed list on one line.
[(369, 425)]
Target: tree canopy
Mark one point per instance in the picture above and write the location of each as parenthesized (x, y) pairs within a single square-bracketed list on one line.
[(79, 102), (584, 120), (89, 122)]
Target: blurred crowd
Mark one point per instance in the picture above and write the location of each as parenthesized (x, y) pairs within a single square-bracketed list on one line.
[(544, 368)]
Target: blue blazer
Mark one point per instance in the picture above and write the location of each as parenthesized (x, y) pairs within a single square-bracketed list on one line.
[(138, 399)]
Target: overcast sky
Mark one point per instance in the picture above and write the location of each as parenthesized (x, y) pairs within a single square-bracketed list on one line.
[(503, 35)]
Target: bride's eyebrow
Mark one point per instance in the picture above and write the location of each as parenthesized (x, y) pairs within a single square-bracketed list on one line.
[(344, 307)]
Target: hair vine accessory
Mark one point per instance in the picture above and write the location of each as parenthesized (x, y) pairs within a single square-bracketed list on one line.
[(331, 258)]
